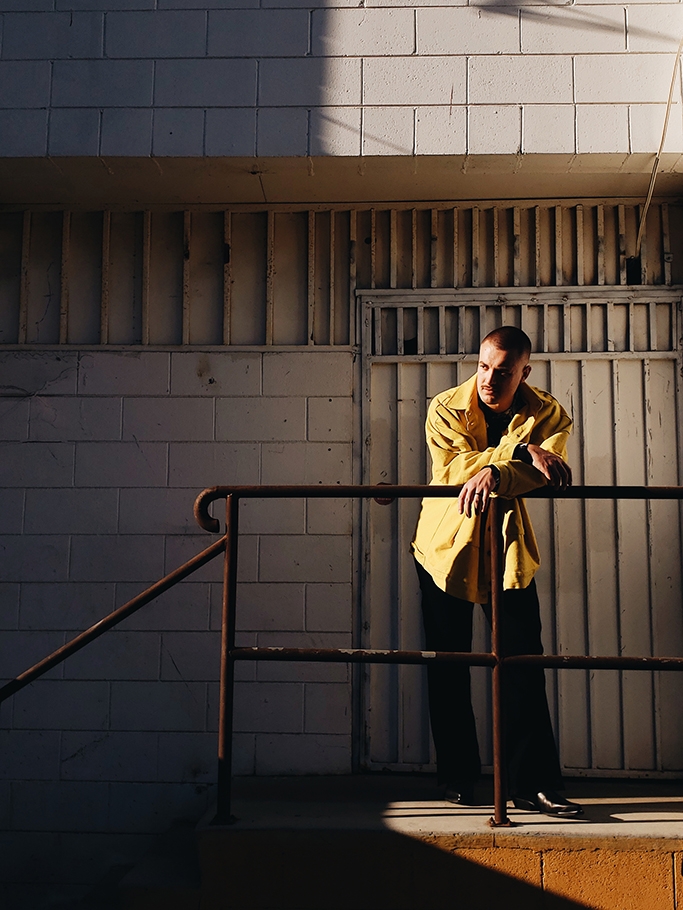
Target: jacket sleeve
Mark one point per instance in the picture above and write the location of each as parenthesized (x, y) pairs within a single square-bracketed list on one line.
[(456, 458), (551, 432), (453, 448)]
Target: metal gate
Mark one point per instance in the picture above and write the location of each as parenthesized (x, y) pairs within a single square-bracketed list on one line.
[(610, 581)]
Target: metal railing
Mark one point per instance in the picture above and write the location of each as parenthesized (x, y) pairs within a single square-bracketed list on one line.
[(228, 545)]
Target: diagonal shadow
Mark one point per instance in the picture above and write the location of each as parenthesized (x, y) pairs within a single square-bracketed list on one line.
[(569, 19)]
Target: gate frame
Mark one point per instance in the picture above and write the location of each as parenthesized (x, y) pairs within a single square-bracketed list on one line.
[(492, 301)]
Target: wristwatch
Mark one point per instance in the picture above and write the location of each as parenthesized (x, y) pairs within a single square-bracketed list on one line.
[(496, 475)]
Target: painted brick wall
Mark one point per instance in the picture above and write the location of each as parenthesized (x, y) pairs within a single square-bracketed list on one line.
[(102, 455), (272, 78)]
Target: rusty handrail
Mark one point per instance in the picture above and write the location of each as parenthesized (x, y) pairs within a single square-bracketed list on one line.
[(398, 491), (112, 619), (228, 544), (386, 493)]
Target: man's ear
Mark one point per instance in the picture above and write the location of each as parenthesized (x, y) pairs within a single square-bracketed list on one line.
[(525, 372)]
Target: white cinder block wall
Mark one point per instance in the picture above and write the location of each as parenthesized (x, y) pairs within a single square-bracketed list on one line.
[(279, 78), (103, 452), (101, 458)]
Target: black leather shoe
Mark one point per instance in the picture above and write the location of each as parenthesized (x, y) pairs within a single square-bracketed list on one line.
[(459, 795), (549, 803)]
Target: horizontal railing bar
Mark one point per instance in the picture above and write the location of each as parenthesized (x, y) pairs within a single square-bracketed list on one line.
[(472, 658), (112, 619), (363, 655), (580, 661), (553, 294), (410, 491)]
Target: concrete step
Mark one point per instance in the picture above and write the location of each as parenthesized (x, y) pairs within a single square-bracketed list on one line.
[(391, 843), (168, 876)]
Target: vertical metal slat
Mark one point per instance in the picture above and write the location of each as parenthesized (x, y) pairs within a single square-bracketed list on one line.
[(146, 255), (353, 235), (652, 325), (600, 216), (442, 330), (187, 239), (106, 262), (475, 246), (270, 275), (64, 280), (310, 326), (456, 220), (567, 327), (545, 328), (413, 248), (420, 330), (622, 244), (580, 272), (434, 249), (496, 253), (25, 278), (610, 325), (461, 330), (643, 248), (537, 252), (373, 248), (584, 617), (393, 249), (516, 246), (400, 332), (651, 548), (559, 277), (666, 243), (332, 312), (227, 277), (377, 327)]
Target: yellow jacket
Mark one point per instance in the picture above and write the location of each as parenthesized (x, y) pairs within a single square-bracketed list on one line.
[(453, 548)]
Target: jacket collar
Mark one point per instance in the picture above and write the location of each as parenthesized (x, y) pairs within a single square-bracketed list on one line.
[(465, 397)]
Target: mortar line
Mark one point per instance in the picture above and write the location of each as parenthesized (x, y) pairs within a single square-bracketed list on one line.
[(626, 42)]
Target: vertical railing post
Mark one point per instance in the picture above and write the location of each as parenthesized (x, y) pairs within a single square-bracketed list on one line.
[(227, 674), (500, 816)]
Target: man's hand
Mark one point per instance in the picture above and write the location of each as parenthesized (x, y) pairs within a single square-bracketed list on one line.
[(554, 469), (474, 495)]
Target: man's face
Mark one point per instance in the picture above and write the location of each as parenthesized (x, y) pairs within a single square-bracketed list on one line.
[(499, 375)]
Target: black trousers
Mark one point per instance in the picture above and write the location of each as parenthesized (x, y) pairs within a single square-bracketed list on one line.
[(531, 754)]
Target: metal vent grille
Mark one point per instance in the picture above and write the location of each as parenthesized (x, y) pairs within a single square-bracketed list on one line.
[(580, 320)]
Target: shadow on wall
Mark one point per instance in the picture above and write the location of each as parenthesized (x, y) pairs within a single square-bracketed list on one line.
[(592, 34)]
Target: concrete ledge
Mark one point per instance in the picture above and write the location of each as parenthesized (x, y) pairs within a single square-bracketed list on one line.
[(173, 183), (315, 843)]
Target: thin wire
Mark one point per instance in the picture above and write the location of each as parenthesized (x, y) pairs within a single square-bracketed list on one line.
[(653, 176)]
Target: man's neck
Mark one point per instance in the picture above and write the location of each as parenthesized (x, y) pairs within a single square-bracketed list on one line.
[(497, 421), (501, 416)]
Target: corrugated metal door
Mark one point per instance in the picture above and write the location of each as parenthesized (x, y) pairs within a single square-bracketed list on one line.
[(610, 582)]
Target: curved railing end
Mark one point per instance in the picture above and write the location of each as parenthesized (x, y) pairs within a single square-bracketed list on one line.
[(201, 509)]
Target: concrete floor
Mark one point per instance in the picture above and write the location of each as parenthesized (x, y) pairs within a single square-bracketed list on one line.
[(392, 842), (413, 805)]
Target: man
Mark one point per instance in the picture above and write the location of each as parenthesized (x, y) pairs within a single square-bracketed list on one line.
[(492, 434)]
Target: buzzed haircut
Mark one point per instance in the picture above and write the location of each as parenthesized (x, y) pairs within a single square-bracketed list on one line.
[(510, 338)]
